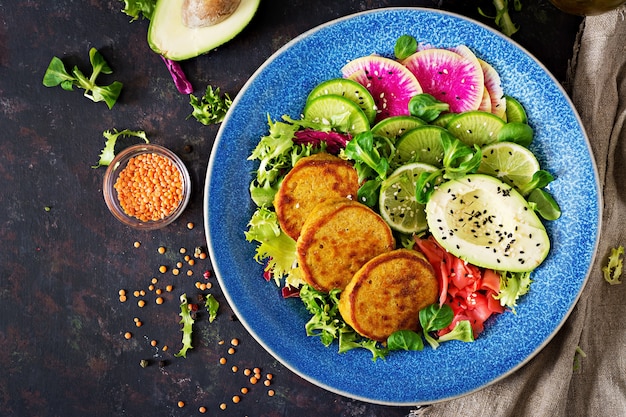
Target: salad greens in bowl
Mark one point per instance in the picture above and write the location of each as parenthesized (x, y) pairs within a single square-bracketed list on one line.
[(288, 93)]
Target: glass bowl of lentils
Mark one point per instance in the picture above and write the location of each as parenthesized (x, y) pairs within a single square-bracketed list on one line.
[(146, 186)]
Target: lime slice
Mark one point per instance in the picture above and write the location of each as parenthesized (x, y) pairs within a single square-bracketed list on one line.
[(510, 162), (395, 126), (515, 111), (337, 112), (397, 202), (349, 89), (422, 144), (476, 127)]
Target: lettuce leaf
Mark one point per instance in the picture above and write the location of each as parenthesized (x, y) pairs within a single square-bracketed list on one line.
[(512, 286), (108, 152), (613, 269), (275, 247), (187, 322)]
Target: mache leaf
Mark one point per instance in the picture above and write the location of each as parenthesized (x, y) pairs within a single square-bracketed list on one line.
[(56, 74)]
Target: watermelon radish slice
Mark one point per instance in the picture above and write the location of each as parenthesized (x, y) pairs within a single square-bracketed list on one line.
[(390, 83), (464, 51), (494, 87), (449, 77), (485, 104)]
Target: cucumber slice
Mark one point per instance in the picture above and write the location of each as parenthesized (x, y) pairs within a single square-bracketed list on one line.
[(338, 113), (395, 126), (397, 202), (515, 111), (349, 89), (487, 223), (476, 127), (422, 144)]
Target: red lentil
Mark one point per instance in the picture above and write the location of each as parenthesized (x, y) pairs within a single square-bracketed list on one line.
[(181, 404), (236, 399), (223, 406), (128, 335), (159, 300), (202, 410), (141, 303), (149, 187), (270, 392), (161, 249)]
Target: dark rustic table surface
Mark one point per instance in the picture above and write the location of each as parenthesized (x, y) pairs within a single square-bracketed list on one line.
[(64, 258)]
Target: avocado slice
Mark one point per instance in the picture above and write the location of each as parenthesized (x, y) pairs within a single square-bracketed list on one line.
[(171, 38), (486, 222)]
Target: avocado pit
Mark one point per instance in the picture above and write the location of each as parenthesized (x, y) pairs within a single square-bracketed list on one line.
[(202, 13)]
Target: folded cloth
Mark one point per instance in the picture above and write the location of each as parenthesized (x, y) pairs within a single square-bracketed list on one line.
[(582, 371)]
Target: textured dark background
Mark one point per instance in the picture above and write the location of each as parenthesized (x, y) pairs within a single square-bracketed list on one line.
[(63, 258)]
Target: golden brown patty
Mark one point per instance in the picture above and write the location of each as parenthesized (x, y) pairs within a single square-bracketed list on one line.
[(312, 180), (387, 293), (337, 238)]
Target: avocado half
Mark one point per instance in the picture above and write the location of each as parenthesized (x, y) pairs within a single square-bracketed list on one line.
[(169, 37)]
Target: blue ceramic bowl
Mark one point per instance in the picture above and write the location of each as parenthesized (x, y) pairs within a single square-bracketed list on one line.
[(280, 86)]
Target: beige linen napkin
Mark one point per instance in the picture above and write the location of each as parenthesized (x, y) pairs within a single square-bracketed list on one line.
[(550, 385)]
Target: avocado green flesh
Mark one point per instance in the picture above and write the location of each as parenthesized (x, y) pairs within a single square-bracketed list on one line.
[(485, 222), (169, 37)]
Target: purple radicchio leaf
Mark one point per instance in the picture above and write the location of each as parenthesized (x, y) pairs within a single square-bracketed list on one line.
[(335, 141), (180, 80)]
